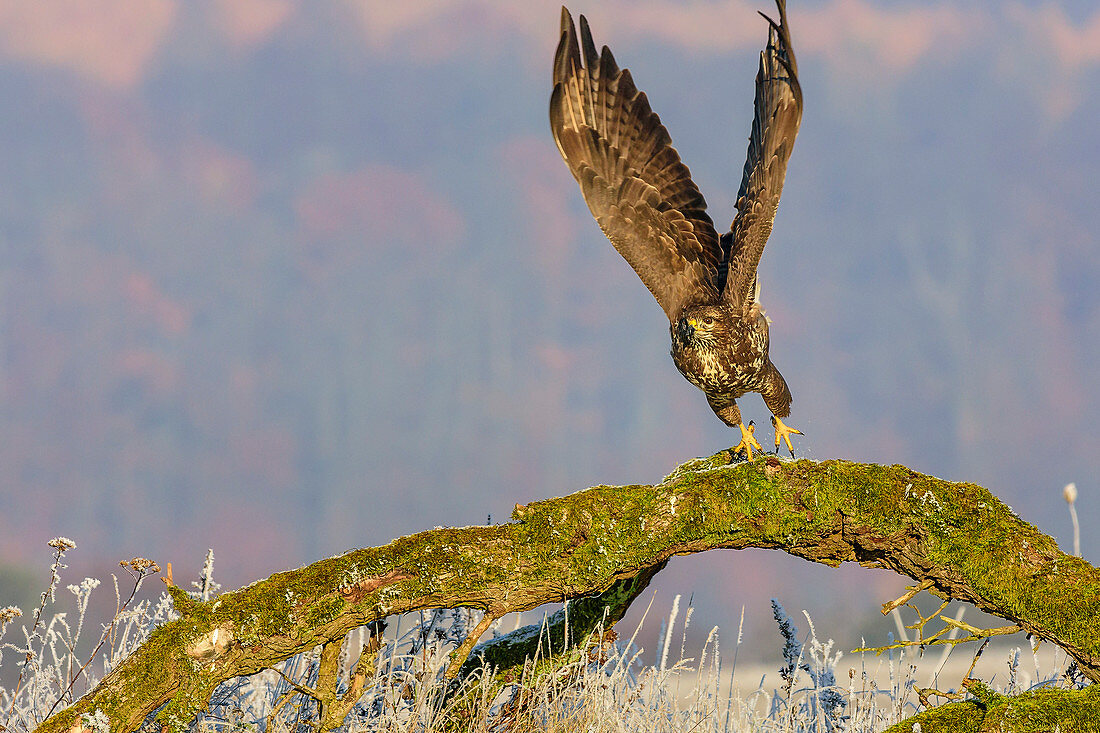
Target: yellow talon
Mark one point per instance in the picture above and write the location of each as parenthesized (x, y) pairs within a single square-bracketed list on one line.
[(782, 432), (748, 442)]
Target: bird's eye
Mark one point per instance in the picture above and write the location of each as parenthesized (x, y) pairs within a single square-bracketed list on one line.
[(708, 320)]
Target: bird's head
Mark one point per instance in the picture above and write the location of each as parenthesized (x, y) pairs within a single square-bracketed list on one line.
[(702, 325)]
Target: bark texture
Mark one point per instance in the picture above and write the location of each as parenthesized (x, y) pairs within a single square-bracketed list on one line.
[(957, 536)]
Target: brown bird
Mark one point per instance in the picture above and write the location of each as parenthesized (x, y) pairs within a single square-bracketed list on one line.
[(646, 203)]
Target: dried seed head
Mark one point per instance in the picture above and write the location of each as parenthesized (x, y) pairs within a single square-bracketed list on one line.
[(61, 543), (140, 566)]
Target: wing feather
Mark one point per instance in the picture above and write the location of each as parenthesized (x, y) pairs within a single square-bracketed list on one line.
[(778, 112), (632, 179)]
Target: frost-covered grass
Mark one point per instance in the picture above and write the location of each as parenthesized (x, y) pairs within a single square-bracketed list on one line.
[(613, 685), (51, 672)]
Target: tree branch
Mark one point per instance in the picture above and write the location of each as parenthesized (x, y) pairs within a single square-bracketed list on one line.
[(957, 538), (1038, 711)]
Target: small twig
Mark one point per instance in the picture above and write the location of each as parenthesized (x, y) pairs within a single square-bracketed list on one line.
[(977, 633), (977, 656), (911, 591), (924, 692), (985, 634), (283, 700), (168, 575), (458, 656), (918, 626), (947, 648), (300, 688)]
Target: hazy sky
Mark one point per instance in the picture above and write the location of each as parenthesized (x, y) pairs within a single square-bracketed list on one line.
[(286, 278)]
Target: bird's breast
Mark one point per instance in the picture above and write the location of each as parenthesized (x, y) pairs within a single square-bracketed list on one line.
[(728, 368)]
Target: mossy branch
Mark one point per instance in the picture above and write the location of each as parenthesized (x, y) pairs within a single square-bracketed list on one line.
[(956, 539), (1038, 711)]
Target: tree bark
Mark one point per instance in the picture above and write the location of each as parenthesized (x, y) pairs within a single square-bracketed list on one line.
[(956, 536)]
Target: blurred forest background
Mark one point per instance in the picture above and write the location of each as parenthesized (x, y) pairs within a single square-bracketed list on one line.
[(285, 278)]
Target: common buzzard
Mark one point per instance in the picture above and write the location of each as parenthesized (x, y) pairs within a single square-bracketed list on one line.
[(646, 203)]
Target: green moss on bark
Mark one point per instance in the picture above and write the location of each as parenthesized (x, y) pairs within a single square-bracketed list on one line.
[(1042, 711), (957, 536)]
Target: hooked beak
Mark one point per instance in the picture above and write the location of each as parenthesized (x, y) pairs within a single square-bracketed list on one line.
[(686, 327)]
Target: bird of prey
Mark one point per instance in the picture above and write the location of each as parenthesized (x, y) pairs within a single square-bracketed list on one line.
[(644, 200)]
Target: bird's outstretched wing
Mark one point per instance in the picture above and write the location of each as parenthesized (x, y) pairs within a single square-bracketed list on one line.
[(632, 179), (778, 111)]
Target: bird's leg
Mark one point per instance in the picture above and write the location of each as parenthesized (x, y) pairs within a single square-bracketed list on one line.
[(784, 433), (730, 414), (748, 442)]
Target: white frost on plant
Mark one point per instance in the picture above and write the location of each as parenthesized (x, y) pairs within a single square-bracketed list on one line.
[(97, 722)]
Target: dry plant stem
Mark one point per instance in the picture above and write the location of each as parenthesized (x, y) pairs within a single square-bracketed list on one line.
[(107, 633), (956, 536), (55, 578)]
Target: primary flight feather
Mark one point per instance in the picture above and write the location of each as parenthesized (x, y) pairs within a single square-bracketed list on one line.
[(644, 200)]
